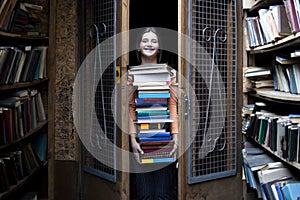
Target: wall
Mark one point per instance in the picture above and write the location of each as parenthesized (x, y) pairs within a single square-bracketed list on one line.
[(63, 141)]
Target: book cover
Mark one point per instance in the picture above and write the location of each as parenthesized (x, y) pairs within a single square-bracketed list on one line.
[(156, 160), (161, 77), (145, 121), (291, 191), (262, 130), (157, 134), (281, 20), (153, 112), (150, 126), (150, 117), (154, 95), (151, 102), (154, 139), (291, 15), (292, 142)]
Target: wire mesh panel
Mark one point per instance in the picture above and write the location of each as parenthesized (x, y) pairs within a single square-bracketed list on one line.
[(212, 119), (100, 24)]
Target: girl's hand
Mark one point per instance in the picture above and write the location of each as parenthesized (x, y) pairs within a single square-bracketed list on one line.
[(136, 148), (175, 146)]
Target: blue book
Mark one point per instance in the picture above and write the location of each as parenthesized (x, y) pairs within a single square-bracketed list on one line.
[(141, 102), (291, 191), (149, 135), (279, 192), (156, 160), (154, 117), (153, 139), (154, 95)]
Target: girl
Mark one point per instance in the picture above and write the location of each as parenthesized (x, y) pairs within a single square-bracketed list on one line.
[(157, 184)]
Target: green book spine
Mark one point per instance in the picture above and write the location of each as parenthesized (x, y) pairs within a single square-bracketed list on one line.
[(153, 112), (262, 130)]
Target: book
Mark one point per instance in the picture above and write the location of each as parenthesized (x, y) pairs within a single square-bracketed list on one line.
[(155, 134), (291, 15), (7, 13), (154, 95), (29, 196), (39, 146), (150, 117), (151, 102), (292, 142), (145, 121), (149, 68), (262, 83), (152, 112), (281, 20), (150, 126), (160, 77), (153, 87), (153, 92), (156, 144), (156, 160), (153, 139), (291, 191), (257, 72)]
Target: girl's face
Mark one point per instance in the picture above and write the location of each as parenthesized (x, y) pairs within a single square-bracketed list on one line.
[(149, 44)]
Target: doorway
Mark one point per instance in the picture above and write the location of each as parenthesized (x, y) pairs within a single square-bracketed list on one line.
[(161, 14), (154, 13)]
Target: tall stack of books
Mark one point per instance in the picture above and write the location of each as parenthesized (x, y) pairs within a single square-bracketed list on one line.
[(152, 83)]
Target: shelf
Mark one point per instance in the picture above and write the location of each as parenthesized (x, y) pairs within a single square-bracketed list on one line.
[(20, 36), (285, 96), (22, 85), (288, 41), (293, 163), (14, 188), (263, 4), (27, 135)]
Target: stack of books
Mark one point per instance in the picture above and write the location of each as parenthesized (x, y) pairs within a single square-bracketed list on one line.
[(152, 83)]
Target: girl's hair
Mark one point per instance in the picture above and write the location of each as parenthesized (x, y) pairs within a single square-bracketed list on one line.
[(139, 39)]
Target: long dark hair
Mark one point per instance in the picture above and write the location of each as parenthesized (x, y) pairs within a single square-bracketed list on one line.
[(139, 39)]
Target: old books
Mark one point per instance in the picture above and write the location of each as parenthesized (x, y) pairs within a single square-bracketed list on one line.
[(270, 24), (22, 64), (152, 84)]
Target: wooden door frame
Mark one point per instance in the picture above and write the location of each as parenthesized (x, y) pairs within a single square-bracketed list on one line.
[(123, 9), (183, 70)]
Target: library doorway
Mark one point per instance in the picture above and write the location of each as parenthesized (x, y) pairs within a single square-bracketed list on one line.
[(160, 14)]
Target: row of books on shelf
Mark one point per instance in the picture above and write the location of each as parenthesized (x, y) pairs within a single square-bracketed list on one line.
[(16, 165), (273, 23), (22, 64), (283, 75), (152, 84), (268, 178), (20, 17), (20, 112), (280, 134)]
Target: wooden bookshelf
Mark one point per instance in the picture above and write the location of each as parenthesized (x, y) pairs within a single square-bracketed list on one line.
[(23, 85), (289, 41), (278, 103), (263, 4), (24, 37), (14, 188), (277, 95), (24, 125), (32, 132)]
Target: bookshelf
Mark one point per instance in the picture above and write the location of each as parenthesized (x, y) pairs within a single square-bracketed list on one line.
[(275, 102), (24, 98)]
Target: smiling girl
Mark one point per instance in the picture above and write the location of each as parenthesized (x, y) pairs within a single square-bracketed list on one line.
[(157, 184)]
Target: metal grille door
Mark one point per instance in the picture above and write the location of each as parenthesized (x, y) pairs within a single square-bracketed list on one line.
[(100, 24), (212, 76)]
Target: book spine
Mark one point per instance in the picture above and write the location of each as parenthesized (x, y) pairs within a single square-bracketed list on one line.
[(157, 160)]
